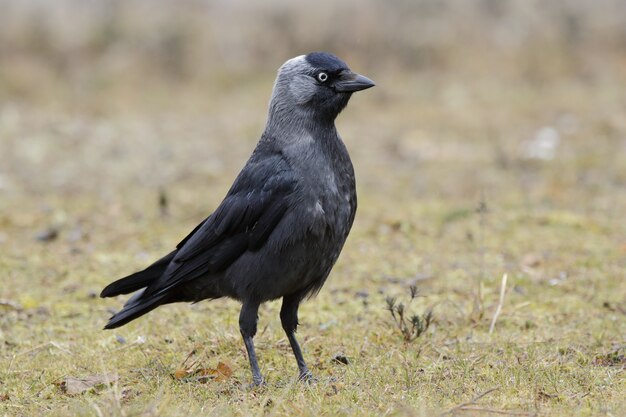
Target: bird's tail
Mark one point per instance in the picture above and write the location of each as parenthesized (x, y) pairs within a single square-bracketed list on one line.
[(138, 280), (135, 307)]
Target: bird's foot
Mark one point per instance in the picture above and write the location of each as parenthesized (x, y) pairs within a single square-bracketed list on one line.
[(257, 382), (307, 376)]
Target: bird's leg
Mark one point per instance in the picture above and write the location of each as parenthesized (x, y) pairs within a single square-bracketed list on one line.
[(289, 320), (247, 325)]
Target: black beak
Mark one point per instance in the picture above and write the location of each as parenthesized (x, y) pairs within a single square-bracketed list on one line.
[(350, 82)]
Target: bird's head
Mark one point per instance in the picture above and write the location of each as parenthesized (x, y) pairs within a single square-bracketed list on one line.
[(316, 86)]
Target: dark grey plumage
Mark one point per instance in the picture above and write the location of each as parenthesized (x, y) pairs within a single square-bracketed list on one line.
[(284, 221)]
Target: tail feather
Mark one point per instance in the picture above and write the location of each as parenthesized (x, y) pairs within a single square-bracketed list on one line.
[(139, 279), (134, 308)]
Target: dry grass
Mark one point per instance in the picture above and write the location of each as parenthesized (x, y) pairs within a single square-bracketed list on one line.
[(452, 196)]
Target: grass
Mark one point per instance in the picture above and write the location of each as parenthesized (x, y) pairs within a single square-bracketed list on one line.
[(450, 199)]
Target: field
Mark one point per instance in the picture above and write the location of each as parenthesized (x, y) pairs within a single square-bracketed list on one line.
[(493, 145)]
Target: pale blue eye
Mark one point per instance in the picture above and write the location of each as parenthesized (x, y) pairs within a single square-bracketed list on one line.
[(322, 77)]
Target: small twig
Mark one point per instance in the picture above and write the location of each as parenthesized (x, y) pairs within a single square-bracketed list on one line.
[(500, 303), (193, 352), (494, 411), (11, 363), (61, 348), (39, 348), (471, 402)]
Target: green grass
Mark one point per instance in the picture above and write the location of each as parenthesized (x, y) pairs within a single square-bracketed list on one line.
[(426, 158)]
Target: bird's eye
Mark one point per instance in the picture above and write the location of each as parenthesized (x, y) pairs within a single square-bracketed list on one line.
[(322, 77)]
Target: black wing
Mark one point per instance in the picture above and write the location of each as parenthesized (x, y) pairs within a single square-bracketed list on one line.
[(253, 207)]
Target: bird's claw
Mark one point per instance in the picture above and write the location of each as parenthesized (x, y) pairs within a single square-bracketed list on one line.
[(307, 377), (257, 382)]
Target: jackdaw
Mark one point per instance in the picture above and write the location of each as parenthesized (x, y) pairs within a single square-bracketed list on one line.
[(282, 224)]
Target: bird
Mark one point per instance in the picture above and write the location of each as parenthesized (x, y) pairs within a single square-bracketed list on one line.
[(283, 223)]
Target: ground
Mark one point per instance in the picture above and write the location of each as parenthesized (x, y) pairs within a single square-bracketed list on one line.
[(463, 178)]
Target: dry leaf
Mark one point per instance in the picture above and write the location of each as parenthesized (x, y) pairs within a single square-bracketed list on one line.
[(182, 373), (224, 372), (220, 374), (72, 385)]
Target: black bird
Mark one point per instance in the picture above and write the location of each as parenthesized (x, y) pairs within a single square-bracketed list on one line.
[(284, 221)]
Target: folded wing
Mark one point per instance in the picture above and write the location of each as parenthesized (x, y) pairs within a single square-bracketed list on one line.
[(243, 222)]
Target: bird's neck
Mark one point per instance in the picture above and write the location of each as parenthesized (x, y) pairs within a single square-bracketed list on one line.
[(286, 122)]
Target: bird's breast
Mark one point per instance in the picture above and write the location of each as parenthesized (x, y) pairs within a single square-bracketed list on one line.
[(331, 208), (326, 191)]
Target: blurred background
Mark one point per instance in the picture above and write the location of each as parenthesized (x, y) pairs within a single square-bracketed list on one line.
[(125, 120), (117, 114), (96, 95), (494, 142)]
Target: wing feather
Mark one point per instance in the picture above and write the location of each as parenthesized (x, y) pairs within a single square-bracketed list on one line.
[(244, 221)]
